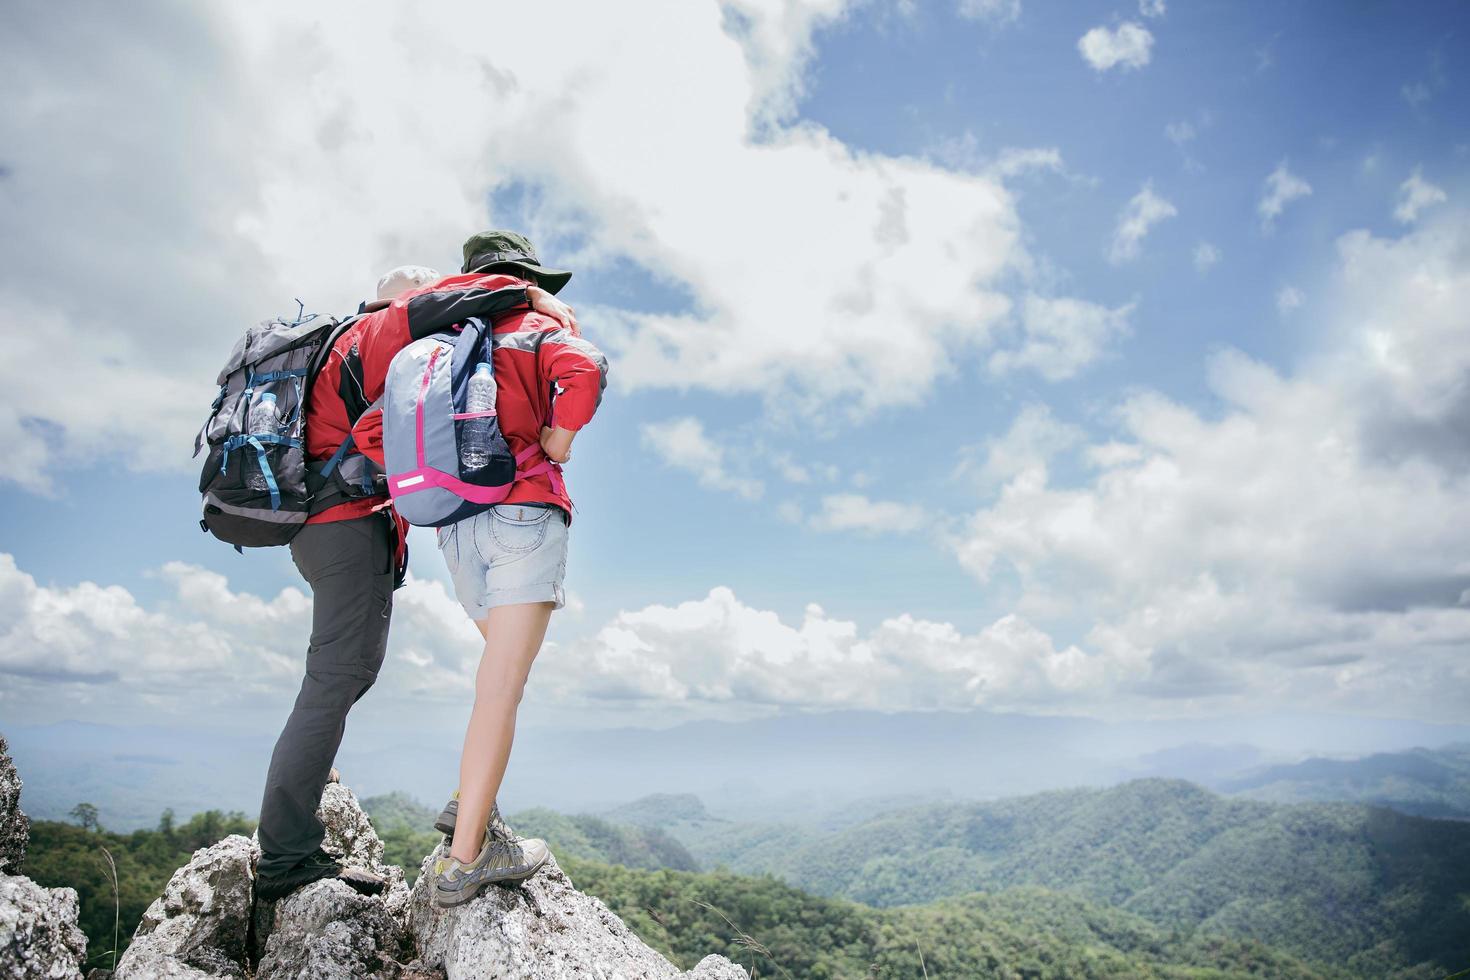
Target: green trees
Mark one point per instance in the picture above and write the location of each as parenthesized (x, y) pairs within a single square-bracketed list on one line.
[(73, 855), (778, 931), (1367, 888), (1152, 879), (85, 814)]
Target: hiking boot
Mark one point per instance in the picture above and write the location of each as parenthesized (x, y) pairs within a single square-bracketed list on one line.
[(315, 867), (499, 861), (495, 827)]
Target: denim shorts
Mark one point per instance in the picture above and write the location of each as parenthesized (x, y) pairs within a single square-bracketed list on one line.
[(506, 555)]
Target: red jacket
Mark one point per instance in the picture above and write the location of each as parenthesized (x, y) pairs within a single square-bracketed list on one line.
[(544, 375)]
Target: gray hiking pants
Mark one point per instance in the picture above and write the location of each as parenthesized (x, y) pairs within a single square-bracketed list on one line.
[(349, 566)]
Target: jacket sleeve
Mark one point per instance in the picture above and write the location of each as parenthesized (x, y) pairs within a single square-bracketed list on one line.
[(579, 371), (367, 435), (427, 311)]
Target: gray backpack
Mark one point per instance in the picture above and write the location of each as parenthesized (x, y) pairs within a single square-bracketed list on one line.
[(257, 485), (426, 420)]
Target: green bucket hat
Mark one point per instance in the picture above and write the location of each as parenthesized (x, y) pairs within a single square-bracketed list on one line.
[(509, 248)]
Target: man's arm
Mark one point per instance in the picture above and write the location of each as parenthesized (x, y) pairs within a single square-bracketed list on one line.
[(424, 312), (428, 311)]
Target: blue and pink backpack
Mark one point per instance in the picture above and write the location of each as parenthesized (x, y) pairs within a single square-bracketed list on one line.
[(424, 417)]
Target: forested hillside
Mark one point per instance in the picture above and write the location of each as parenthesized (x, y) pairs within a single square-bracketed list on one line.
[(83, 856), (1154, 878), (1367, 888), (1032, 933)]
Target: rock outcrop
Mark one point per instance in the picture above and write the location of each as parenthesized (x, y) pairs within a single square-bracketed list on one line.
[(204, 925), (543, 930), (39, 937), (200, 925), (15, 826)]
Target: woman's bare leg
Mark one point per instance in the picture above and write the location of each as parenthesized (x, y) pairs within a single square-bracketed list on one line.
[(513, 636)]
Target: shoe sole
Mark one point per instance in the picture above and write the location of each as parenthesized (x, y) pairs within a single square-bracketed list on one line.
[(449, 900), (269, 894)]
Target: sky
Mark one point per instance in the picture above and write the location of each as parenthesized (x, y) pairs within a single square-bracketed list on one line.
[(1101, 358)]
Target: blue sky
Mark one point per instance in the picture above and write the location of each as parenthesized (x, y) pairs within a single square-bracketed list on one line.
[(997, 442)]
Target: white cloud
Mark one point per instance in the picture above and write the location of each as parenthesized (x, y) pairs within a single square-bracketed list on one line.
[(1206, 256), (1061, 336), (854, 512), (1180, 133), (997, 12), (205, 646), (1015, 161), (1129, 45), (1184, 132), (1434, 80), (220, 231), (785, 463), (1306, 544), (1282, 187), (1289, 298), (1034, 438), (717, 650), (1151, 8), (682, 444), (1416, 93), (1144, 210), (1416, 194)]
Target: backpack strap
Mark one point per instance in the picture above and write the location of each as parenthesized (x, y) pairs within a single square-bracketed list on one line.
[(265, 469), (326, 481), (348, 445), (548, 466)]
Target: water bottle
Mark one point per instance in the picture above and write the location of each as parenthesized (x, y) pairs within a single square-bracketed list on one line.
[(263, 421), (474, 451)]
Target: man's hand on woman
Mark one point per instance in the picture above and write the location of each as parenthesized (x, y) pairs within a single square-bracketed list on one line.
[(548, 305)]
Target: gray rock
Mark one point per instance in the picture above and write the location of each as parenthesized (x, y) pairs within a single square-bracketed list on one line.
[(39, 937), (350, 833), (327, 931), (199, 926), (15, 827), (714, 967), (542, 930)]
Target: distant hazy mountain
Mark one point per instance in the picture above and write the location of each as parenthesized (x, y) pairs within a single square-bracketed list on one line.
[(1425, 782), (594, 839), (407, 828), (841, 766), (661, 810)]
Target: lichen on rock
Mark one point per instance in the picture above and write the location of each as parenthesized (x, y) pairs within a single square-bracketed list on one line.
[(39, 937), (15, 827), (543, 929), (207, 925), (38, 931), (201, 920)]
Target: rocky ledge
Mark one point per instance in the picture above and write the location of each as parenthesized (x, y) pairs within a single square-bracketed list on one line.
[(39, 937), (207, 925)]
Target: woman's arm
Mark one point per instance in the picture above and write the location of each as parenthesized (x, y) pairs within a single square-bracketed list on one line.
[(557, 443)]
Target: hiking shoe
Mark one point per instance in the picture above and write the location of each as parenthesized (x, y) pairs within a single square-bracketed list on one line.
[(315, 867), (495, 827), (499, 861)]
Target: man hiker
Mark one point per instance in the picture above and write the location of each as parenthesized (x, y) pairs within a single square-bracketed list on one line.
[(353, 550)]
